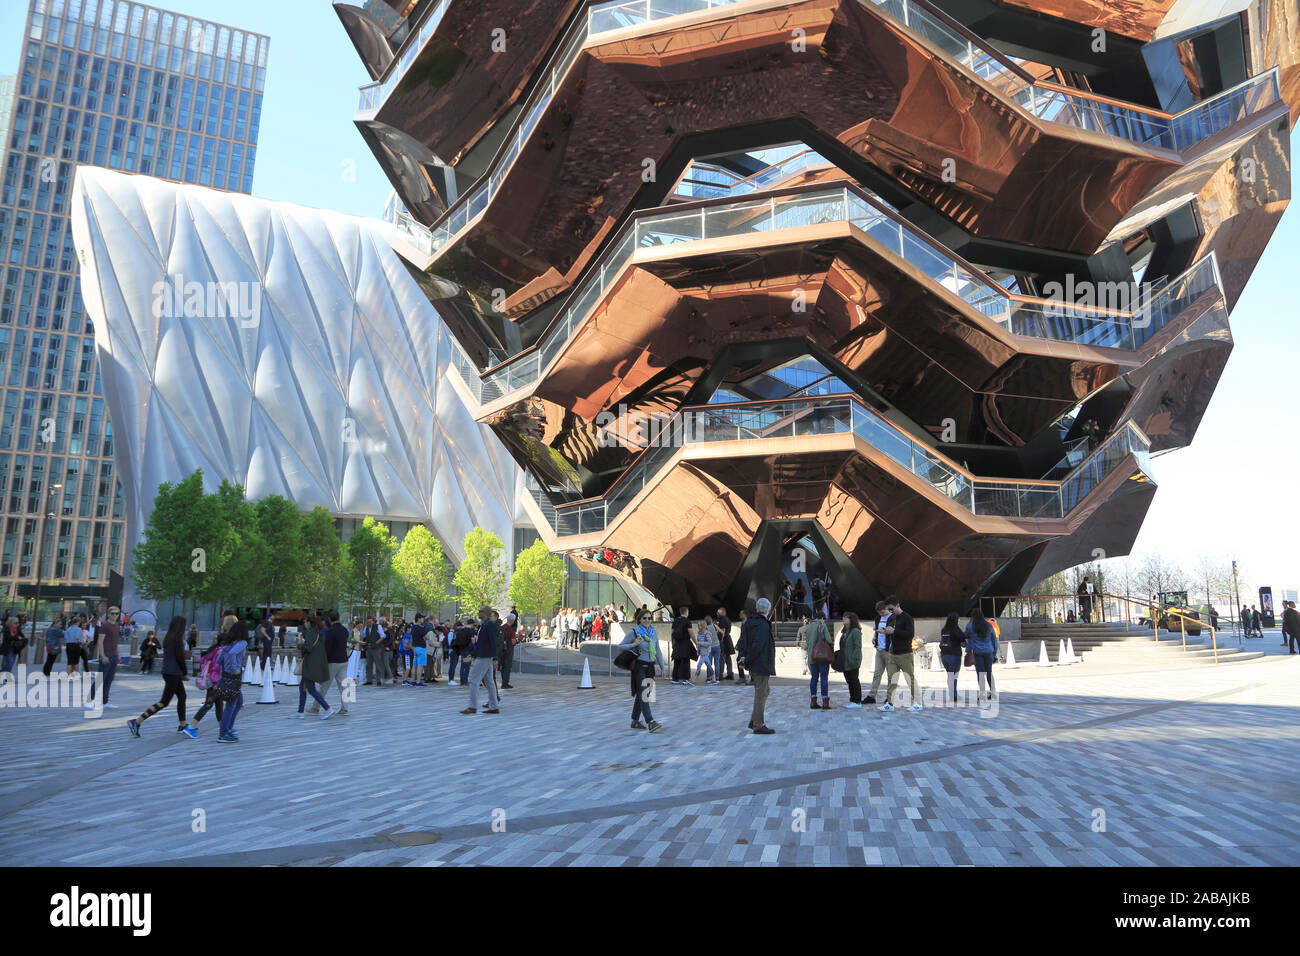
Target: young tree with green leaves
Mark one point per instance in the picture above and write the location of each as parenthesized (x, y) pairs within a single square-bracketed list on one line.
[(279, 527), (422, 569), (537, 585), (481, 577), (323, 562), (237, 581), (370, 565), (186, 543)]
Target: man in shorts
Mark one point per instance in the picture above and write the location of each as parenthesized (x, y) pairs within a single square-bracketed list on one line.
[(419, 653)]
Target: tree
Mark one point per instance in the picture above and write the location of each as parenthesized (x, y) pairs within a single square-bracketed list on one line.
[(481, 577), (323, 564), (1213, 575), (370, 565), (422, 569), (279, 528), (237, 581), (1155, 574), (538, 582), (184, 545)]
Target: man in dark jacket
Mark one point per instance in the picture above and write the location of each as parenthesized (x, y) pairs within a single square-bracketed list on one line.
[(336, 652), (1291, 625), (724, 640), (484, 652), (376, 643), (899, 632), (759, 649)]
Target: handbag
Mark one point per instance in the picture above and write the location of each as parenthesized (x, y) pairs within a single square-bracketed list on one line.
[(695, 652), (625, 660), (822, 653), (297, 667), (228, 687), (837, 664), (970, 659)]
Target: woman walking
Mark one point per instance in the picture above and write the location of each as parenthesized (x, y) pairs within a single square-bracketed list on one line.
[(951, 640), (708, 641), (232, 666), (643, 641), (211, 700), (175, 654), (984, 645), (315, 669), (851, 647), (53, 644)]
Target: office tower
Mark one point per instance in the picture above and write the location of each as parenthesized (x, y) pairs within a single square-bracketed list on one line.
[(131, 88), (899, 293)]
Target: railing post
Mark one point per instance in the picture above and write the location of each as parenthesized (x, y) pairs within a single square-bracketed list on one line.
[(1182, 621)]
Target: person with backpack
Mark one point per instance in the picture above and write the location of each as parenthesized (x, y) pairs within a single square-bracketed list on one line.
[(230, 688), (851, 649), (207, 679), (644, 642), (315, 670), (983, 643), (821, 651), (951, 641), (683, 648), (175, 654)]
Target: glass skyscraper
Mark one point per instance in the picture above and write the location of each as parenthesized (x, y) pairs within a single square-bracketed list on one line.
[(131, 88)]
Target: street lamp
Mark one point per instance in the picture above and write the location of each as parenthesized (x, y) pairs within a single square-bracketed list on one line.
[(40, 549)]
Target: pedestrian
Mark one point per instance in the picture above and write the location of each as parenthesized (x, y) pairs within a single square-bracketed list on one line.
[(759, 650), (821, 651), (12, 643), (1290, 625), (984, 645), (233, 656), (376, 643), (53, 643), (266, 637), (726, 647), (148, 652), (174, 653), (851, 648), (708, 648), (104, 640), (419, 651), (336, 652), (212, 697), (483, 651), (644, 642), (951, 641), (683, 645), (72, 638), (1255, 621), (506, 655), (900, 630), (741, 678), (879, 649), (315, 670)]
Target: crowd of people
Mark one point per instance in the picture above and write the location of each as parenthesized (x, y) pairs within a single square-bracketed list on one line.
[(571, 626)]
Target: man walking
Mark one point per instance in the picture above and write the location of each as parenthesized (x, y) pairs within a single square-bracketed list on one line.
[(105, 641), (1291, 625), (506, 655), (880, 650), (900, 631), (725, 647), (483, 650), (419, 652), (759, 649), (336, 654)]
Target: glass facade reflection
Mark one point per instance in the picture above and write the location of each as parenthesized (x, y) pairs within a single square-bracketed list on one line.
[(132, 88)]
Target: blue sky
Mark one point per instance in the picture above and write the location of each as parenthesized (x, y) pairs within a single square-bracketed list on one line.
[(1232, 493)]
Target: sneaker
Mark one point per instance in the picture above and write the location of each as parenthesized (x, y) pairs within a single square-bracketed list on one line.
[(751, 725), (869, 699), (852, 706), (133, 725), (110, 707), (765, 730), (298, 716), (329, 713), (470, 710), (452, 683), (190, 732), (886, 708), (406, 683), (234, 732), (654, 726), (637, 725), (226, 739), (421, 684), (492, 710), (915, 707), (343, 711), (181, 728)]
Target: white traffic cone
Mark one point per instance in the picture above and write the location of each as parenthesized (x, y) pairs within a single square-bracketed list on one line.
[(1060, 653), (1042, 655), (1011, 655), (291, 679), (1069, 652), (284, 669), (268, 686), (586, 676), (248, 670), (257, 673), (935, 663)]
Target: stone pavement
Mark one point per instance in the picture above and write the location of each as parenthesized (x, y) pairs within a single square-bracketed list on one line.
[(1186, 767)]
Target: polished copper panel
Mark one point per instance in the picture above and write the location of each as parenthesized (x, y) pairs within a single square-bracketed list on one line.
[(1131, 18)]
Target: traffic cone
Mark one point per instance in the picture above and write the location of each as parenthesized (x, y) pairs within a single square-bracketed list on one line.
[(291, 679), (586, 675), (268, 686), (1060, 653), (248, 670), (935, 663), (1011, 655), (1069, 651), (1042, 655), (282, 671)]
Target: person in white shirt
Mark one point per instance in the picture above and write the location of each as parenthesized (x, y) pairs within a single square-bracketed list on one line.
[(880, 645)]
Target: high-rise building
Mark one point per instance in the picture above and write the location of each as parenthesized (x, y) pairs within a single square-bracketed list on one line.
[(7, 84), (131, 88), (896, 294)]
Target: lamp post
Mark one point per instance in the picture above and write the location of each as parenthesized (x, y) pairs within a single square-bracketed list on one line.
[(40, 548), (1236, 590)]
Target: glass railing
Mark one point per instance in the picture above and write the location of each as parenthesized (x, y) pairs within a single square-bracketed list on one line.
[(709, 181), (843, 415), (1079, 110), (375, 94), (1101, 326)]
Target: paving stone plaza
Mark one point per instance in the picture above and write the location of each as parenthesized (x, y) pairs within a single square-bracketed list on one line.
[(1104, 763)]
